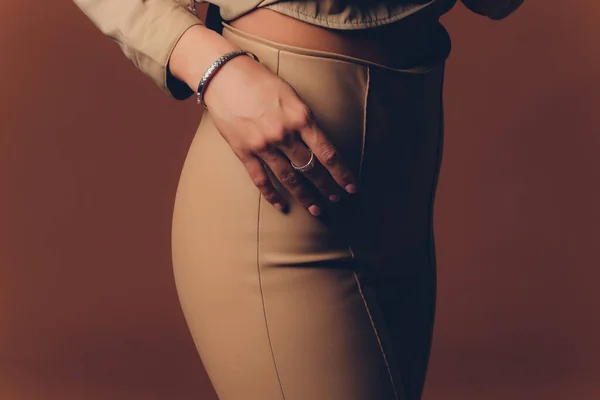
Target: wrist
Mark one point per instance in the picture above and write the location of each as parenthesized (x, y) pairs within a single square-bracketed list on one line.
[(234, 70), (197, 49)]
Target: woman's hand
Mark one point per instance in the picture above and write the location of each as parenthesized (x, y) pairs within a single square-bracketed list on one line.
[(266, 124), (494, 9)]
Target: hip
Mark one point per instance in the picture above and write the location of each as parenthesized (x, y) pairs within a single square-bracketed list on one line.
[(386, 123)]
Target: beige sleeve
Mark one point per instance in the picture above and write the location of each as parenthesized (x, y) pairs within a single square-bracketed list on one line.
[(147, 31)]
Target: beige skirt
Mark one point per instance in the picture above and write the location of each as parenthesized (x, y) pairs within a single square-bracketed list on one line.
[(289, 306)]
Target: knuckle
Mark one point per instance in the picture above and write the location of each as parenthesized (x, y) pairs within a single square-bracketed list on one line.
[(289, 178), (259, 145), (244, 154), (301, 117), (345, 176), (329, 156), (279, 135), (270, 196), (263, 183)]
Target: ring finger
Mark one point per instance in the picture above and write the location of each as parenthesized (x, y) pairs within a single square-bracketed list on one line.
[(303, 160), (283, 171)]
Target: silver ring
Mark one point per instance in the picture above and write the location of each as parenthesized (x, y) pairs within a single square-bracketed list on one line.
[(306, 167)]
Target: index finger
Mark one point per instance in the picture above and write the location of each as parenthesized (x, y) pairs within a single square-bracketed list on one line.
[(328, 156)]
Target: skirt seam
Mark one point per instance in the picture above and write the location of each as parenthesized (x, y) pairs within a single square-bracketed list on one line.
[(260, 283), (262, 296)]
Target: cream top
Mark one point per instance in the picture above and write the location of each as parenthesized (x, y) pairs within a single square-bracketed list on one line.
[(148, 30), (334, 14)]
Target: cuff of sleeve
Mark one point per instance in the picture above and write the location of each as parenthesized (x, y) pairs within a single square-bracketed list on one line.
[(174, 87), (157, 65)]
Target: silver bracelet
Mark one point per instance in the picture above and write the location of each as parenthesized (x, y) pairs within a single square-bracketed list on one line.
[(214, 67)]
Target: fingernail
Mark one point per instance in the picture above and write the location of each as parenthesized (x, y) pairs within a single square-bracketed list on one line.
[(314, 210), (334, 198), (278, 206), (351, 188)]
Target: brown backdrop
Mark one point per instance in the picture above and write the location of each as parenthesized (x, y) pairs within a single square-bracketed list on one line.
[(90, 153)]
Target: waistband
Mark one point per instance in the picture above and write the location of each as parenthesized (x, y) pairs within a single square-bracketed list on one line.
[(327, 54)]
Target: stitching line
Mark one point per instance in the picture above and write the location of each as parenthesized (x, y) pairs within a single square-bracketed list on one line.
[(364, 130), (262, 297), (362, 296)]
